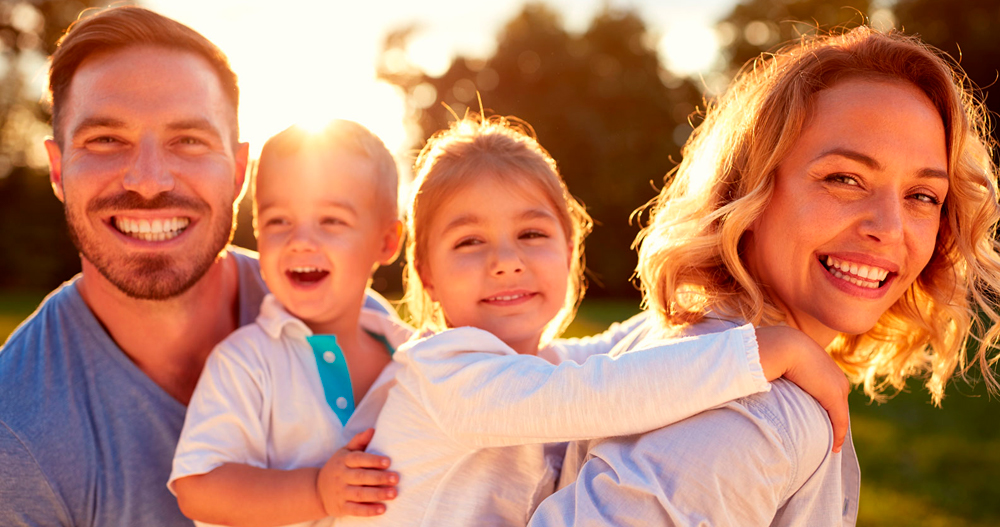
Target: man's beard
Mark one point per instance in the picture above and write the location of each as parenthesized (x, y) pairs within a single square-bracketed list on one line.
[(151, 276)]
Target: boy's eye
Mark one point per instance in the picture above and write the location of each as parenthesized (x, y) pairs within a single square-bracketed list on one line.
[(276, 222), (329, 220)]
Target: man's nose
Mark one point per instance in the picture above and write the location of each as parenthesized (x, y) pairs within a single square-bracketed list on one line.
[(149, 174)]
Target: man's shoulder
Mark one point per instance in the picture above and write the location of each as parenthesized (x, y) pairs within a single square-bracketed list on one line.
[(55, 309)]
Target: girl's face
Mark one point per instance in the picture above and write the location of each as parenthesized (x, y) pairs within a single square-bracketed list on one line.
[(497, 258), (856, 207)]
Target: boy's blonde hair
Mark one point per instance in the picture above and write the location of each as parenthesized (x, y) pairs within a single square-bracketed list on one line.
[(480, 147), (689, 257), (338, 135)]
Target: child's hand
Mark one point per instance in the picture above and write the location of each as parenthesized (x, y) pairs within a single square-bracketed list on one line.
[(789, 353), (353, 483)]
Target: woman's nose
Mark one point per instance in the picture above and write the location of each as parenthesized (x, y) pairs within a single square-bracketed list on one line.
[(884, 220)]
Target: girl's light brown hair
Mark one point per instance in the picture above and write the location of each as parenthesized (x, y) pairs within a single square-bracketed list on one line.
[(487, 147), (689, 255)]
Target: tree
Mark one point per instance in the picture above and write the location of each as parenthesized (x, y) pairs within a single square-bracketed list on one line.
[(757, 26), (600, 102), (35, 251)]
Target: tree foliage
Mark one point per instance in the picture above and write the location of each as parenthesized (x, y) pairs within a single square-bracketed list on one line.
[(600, 103), (35, 251)]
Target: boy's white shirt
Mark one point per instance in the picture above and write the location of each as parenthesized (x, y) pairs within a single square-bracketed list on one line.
[(467, 423), (260, 400)]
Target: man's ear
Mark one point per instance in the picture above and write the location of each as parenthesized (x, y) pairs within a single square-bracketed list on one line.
[(392, 241), (242, 155), (55, 168)]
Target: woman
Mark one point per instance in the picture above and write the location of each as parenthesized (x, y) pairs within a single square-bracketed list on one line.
[(843, 187)]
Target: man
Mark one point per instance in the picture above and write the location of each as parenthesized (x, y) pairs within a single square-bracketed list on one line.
[(147, 162)]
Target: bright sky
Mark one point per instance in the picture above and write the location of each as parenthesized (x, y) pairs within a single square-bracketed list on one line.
[(310, 61)]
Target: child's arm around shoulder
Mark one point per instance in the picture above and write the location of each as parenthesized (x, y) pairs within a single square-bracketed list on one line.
[(482, 393), (579, 349)]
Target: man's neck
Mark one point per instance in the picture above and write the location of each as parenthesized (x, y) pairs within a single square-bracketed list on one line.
[(169, 340)]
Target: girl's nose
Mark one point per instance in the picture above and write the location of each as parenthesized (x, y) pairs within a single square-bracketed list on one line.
[(506, 261)]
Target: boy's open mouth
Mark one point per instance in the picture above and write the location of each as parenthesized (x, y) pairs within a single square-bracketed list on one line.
[(306, 275), (866, 276)]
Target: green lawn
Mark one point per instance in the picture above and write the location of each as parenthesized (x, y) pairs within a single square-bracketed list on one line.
[(921, 466)]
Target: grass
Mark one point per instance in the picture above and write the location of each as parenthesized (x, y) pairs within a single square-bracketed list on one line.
[(921, 466)]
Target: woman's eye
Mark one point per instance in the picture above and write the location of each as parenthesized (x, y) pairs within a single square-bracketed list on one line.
[(845, 179), (926, 198)]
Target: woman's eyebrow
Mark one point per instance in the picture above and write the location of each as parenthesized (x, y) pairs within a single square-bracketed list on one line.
[(854, 155)]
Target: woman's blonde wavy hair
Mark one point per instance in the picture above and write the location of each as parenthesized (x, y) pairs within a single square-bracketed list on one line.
[(503, 148), (689, 253)]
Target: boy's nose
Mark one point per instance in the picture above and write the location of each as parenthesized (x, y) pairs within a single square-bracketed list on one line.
[(302, 239), (148, 175)]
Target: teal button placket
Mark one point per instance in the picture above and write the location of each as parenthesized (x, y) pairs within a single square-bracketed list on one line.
[(334, 375)]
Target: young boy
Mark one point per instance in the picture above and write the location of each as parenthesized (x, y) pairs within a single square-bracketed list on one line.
[(268, 434)]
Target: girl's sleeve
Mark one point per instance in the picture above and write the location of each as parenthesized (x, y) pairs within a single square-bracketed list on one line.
[(484, 394), (580, 349), (223, 422)]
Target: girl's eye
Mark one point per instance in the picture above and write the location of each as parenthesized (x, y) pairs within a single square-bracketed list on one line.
[(467, 242), (529, 235)]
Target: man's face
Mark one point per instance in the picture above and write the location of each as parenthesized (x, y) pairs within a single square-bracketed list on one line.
[(149, 169)]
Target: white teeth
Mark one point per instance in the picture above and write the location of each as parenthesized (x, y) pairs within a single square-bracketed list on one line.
[(862, 275), (159, 229), (305, 269), (505, 298)]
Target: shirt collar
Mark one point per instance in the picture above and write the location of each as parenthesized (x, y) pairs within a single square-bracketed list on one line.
[(275, 320)]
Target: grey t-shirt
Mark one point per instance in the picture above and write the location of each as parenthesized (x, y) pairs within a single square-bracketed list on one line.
[(86, 438)]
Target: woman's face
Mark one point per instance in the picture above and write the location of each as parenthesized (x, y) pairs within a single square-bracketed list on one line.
[(856, 207)]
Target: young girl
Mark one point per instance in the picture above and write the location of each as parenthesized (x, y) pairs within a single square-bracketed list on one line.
[(495, 272)]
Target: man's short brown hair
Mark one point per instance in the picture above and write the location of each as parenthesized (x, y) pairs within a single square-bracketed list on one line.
[(128, 26)]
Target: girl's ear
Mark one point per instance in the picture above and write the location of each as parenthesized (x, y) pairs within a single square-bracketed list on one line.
[(425, 281)]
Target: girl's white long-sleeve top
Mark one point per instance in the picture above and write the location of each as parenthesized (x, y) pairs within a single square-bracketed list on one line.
[(470, 424)]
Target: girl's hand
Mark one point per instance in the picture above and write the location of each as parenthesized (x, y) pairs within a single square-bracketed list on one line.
[(353, 483), (789, 353)]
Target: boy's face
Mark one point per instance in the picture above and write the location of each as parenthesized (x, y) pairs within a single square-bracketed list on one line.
[(321, 228)]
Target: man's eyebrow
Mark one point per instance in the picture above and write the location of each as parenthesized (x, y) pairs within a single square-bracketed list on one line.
[(194, 124), (97, 122)]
